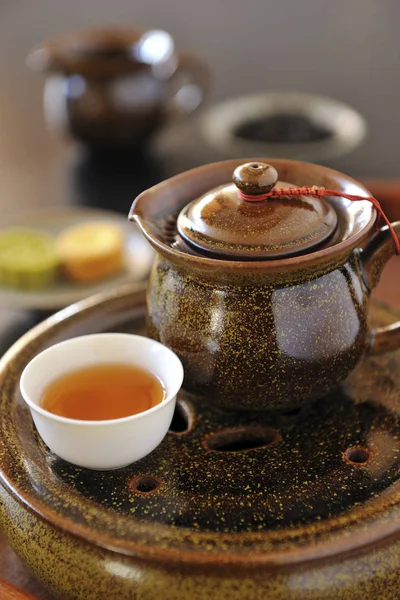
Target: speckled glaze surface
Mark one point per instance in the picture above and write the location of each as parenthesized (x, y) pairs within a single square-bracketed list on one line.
[(261, 346), (264, 334), (297, 506)]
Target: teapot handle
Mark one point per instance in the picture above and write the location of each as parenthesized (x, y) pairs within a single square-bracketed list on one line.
[(193, 75), (374, 257)]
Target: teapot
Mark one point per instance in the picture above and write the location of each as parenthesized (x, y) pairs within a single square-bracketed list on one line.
[(115, 87), (265, 302)]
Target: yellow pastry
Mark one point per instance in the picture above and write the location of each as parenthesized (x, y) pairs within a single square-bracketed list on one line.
[(91, 251), (28, 259)]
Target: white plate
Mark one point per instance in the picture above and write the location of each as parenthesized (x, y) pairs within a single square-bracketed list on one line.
[(139, 256), (348, 127)]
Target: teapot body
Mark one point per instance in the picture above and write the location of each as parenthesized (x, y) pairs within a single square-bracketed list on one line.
[(259, 342), (264, 330), (122, 110)]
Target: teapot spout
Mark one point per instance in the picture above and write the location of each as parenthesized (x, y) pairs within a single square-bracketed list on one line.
[(133, 215), (137, 216), (144, 213), (144, 207)]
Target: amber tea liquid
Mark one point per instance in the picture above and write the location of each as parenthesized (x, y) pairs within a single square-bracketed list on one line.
[(102, 392)]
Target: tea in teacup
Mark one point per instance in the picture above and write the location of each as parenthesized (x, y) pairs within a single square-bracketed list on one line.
[(102, 392)]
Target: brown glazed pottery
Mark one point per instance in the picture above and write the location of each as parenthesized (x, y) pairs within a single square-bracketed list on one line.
[(266, 303), (115, 87), (247, 506)]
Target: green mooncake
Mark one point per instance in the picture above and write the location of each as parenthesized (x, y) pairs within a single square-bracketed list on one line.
[(28, 259)]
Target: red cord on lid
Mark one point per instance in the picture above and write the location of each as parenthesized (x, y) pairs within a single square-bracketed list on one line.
[(320, 192)]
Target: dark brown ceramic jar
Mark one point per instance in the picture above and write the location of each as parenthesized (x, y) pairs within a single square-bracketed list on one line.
[(266, 303), (115, 87)]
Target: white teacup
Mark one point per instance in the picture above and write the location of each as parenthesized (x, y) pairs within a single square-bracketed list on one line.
[(107, 444)]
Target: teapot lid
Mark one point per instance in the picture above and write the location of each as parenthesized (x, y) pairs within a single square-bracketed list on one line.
[(236, 221)]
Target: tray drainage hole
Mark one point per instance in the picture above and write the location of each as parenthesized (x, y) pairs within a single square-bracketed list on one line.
[(181, 421), (242, 439), (145, 484), (357, 456), (292, 412)]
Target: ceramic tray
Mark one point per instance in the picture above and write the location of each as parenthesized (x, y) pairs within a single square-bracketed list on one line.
[(223, 491)]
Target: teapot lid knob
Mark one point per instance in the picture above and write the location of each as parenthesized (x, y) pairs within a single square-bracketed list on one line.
[(255, 178)]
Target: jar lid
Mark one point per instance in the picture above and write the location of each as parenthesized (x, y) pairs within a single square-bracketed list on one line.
[(235, 221)]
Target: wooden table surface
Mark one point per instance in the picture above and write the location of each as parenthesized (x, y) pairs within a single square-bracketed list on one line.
[(348, 49)]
